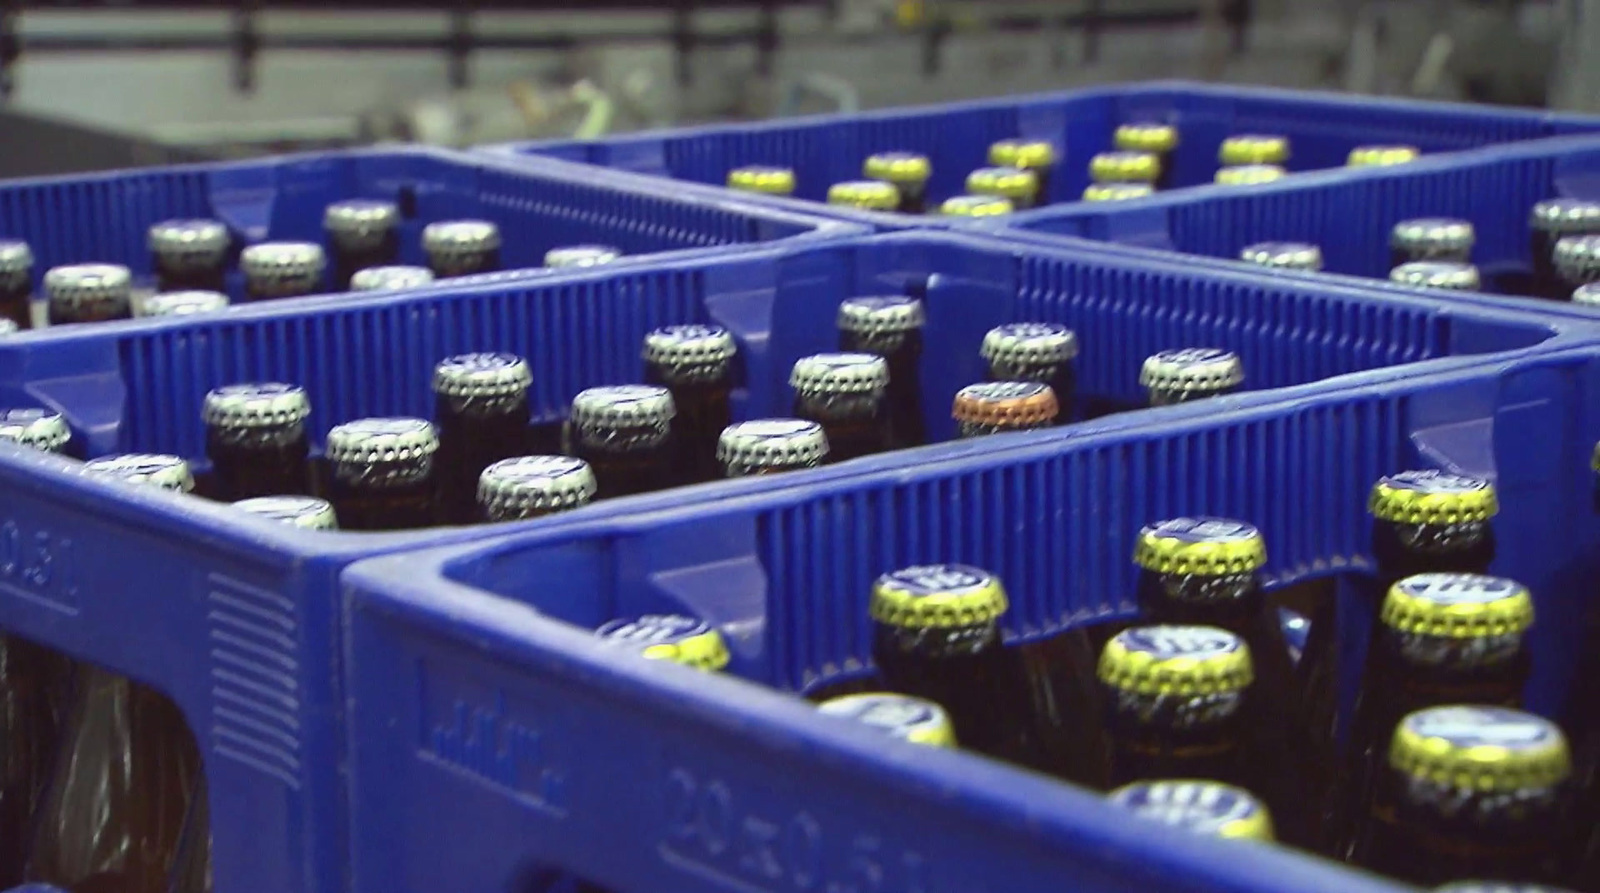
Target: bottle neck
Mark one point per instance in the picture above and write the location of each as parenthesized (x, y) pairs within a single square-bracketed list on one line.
[(839, 407), (1217, 599), (1405, 549), (936, 643)]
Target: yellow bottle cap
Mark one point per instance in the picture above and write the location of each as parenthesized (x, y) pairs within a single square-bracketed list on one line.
[(1125, 167), (937, 596), (899, 168), (1480, 749), (1249, 174), (976, 206), (1116, 192), (1006, 182), (1208, 808), (1432, 497), (1006, 404), (870, 195), (1208, 547), (1381, 156), (910, 719), (762, 178), (1457, 606), (1147, 136), (1029, 155), (684, 640), (1182, 661), (1254, 148)]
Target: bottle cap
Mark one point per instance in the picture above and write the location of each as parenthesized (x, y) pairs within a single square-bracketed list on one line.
[(1432, 235), (1496, 887), (1432, 497), (1566, 216), (1208, 808), (1249, 174), (762, 178), (1594, 459), (1146, 136), (1301, 256), (672, 637), (1006, 405), (304, 512), (459, 244), (1176, 660), (1017, 184), (184, 303), (832, 374), (1125, 167), (158, 469), (891, 315), (1020, 344), (390, 278), (577, 257), (1587, 295), (976, 206), (1191, 370), (99, 290), (1202, 546), (283, 268), (482, 375), (1382, 156), (1437, 274), (357, 446), (623, 417), (689, 354), (1116, 192), (360, 224), (526, 486), (914, 720), (900, 168), (747, 448), (1253, 148), (16, 260), (937, 596), (190, 244), (8, 326), (871, 195), (1029, 155), (1578, 257), (1457, 606), (1480, 749), (255, 405), (40, 429)]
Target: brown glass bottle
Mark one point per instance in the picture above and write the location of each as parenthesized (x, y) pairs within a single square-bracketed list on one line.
[(1155, 138), (844, 393), (526, 487), (1188, 374), (1037, 157), (1001, 407), (695, 363), (1431, 238), (39, 429), (771, 446), (256, 440), (1577, 260), (461, 247), (1035, 351), (481, 403), (88, 293), (1549, 222), (907, 171), (361, 233), (891, 327), (625, 434), (16, 282), (190, 255), (34, 684), (274, 270), (390, 278), (383, 473)]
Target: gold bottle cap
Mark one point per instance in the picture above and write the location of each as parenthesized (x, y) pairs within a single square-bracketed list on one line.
[(1202, 546), (763, 178), (1432, 497), (899, 168), (1006, 182), (1125, 167), (1480, 749), (1180, 661), (1382, 156), (1208, 808), (869, 195), (1025, 154), (672, 637), (1457, 606), (915, 720), (1146, 136), (1250, 174), (937, 596), (1116, 192), (1006, 404), (976, 206), (1253, 148)]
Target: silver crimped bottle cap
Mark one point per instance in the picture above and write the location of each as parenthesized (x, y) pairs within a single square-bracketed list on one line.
[(184, 303), (104, 289), (162, 470), (1566, 216), (571, 257), (750, 447), (1284, 255), (689, 353), (360, 224), (40, 429), (15, 257), (829, 374), (256, 405), (390, 278), (891, 315), (525, 486), (8, 326), (487, 375), (1438, 274), (1587, 294), (304, 512), (1578, 257), (397, 441), (284, 268), (1192, 369), (190, 244), (1432, 235), (1029, 344), (459, 244), (624, 416)]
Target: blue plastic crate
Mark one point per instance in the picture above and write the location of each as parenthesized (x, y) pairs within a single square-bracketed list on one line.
[(1322, 128), (496, 742)]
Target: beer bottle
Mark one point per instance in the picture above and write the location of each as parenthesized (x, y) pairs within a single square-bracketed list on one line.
[(762, 179), (625, 434), (1249, 174), (999, 407), (1550, 221), (844, 393), (908, 172), (274, 270), (481, 403), (461, 247), (256, 439), (34, 684), (184, 303), (88, 293), (1160, 140), (1035, 351), (16, 283), (190, 254), (390, 278), (579, 257), (1431, 238), (771, 446), (525, 487), (1037, 157), (304, 512), (1116, 192), (1577, 260), (39, 429), (695, 363), (1450, 275), (867, 195), (975, 206), (1021, 187), (1379, 155), (361, 233), (1207, 808), (1474, 791), (1253, 148), (1125, 167), (891, 327), (1587, 295), (159, 470), (1191, 373), (1301, 256), (383, 473), (913, 720), (670, 637)]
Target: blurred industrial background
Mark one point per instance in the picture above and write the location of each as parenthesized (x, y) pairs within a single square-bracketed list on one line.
[(87, 84)]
